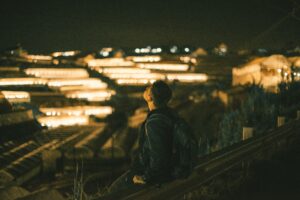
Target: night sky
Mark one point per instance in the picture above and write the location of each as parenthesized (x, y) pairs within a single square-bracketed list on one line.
[(44, 26)]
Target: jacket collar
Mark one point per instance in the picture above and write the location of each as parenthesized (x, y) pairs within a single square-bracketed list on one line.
[(163, 110)]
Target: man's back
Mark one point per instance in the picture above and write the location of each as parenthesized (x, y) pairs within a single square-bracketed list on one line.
[(155, 142)]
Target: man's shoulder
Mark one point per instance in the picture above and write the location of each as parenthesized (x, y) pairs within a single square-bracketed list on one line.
[(163, 117)]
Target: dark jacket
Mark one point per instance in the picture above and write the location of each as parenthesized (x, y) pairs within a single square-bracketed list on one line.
[(153, 161)]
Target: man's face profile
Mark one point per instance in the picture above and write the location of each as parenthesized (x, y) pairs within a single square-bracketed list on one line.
[(147, 94)]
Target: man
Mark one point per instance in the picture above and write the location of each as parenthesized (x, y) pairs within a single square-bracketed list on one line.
[(153, 164)]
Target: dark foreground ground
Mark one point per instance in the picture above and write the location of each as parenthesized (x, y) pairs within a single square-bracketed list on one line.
[(275, 179)]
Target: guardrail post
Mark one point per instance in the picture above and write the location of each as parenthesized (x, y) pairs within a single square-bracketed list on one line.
[(280, 121), (49, 158), (247, 133), (298, 114)]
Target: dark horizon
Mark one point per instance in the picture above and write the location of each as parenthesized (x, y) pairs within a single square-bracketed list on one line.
[(54, 26)]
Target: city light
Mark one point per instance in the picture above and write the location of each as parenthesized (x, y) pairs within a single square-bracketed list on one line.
[(38, 57), (22, 81), (188, 59), (155, 76), (267, 71), (156, 50), (123, 70), (164, 66), (105, 51), (16, 96), (65, 53), (78, 87), (186, 50), (139, 82), (144, 58), (247, 70), (174, 49), (56, 121), (188, 78), (99, 111), (57, 72), (109, 62), (92, 95), (89, 82), (143, 50)]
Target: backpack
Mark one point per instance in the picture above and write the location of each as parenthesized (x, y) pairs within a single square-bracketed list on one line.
[(184, 150)]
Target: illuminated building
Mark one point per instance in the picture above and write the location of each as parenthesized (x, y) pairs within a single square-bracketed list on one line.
[(154, 76), (57, 72), (164, 66), (187, 78), (56, 121), (89, 82), (78, 87), (22, 81), (267, 71), (99, 111), (90, 95), (144, 58), (123, 70), (109, 62), (16, 96), (188, 59), (65, 53), (42, 59), (140, 82)]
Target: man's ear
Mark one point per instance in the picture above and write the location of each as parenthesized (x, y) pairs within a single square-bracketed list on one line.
[(149, 97)]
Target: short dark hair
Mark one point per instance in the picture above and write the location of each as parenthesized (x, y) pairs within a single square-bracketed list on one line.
[(161, 93)]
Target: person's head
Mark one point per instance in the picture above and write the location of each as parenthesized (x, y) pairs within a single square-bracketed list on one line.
[(158, 94)]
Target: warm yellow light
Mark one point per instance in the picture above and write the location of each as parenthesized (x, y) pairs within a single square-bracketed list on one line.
[(78, 87), (190, 77), (57, 72), (89, 82), (266, 71), (56, 121), (93, 95), (118, 70), (38, 57), (164, 66), (99, 111), (246, 70), (135, 81), (109, 62), (144, 58), (22, 81), (188, 59), (65, 53), (16, 96), (154, 76)]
